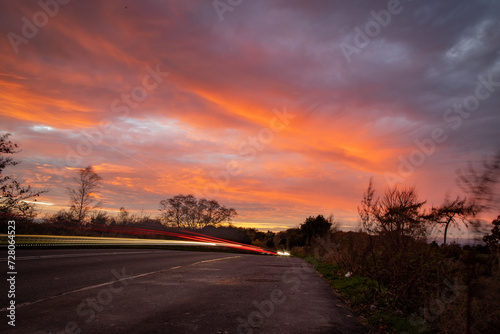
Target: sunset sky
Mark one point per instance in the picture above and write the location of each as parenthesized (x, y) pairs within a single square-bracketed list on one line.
[(279, 109)]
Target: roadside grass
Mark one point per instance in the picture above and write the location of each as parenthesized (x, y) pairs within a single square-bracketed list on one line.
[(363, 296)]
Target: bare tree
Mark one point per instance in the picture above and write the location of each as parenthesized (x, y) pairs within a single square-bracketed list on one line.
[(173, 210), (480, 181), (451, 213), (99, 217), (13, 195), (217, 214), (188, 212), (367, 212), (397, 214), (123, 216), (82, 198)]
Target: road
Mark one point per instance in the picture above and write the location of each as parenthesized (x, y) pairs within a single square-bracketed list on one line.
[(164, 291)]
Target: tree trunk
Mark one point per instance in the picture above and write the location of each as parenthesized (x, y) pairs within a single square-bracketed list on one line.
[(446, 232)]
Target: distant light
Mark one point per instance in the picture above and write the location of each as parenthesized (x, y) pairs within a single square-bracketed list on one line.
[(283, 253)]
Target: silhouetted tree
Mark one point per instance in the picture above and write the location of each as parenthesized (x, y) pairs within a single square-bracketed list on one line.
[(82, 198), (315, 227), (99, 217), (493, 239), (185, 211), (60, 217), (396, 215), (123, 216), (212, 213), (451, 213), (190, 211), (479, 182), (13, 195), (294, 237), (172, 210)]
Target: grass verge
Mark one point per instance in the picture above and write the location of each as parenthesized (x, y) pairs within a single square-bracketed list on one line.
[(364, 297)]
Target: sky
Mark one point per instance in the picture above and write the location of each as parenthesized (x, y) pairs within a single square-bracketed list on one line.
[(279, 109)]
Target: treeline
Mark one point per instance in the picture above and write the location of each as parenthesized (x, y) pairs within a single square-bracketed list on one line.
[(187, 211), (181, 211)]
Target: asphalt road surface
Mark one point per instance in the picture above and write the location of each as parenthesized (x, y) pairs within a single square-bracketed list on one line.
[(162, 291)]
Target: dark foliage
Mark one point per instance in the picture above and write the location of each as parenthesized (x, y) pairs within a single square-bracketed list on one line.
[(14, 196)]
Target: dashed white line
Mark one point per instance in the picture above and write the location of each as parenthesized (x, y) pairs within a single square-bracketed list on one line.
[(118, 280)]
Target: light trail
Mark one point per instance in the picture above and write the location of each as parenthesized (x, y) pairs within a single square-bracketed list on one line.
[(58, 240), (187, 238)]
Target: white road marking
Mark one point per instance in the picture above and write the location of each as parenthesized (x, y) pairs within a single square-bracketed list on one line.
[(61, 256), (119, 280)]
